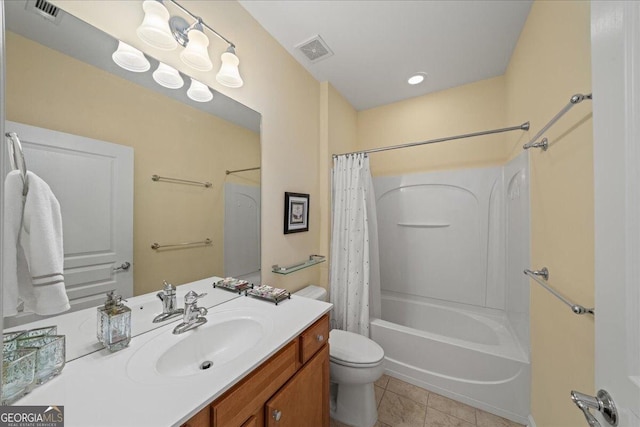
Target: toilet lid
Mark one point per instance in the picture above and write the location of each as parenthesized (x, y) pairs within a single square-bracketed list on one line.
[(348, 348)]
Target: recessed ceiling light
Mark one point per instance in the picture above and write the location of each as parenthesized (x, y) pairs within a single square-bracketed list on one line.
[(416, 79)]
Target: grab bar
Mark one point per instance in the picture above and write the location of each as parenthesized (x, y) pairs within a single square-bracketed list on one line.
[(204, 242), (544, 273), (180, 181), (544, 144)]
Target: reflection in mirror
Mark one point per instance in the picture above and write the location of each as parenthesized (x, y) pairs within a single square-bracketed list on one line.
[(97, 134)]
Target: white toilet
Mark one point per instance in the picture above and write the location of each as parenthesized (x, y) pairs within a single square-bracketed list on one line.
[(356, 362)]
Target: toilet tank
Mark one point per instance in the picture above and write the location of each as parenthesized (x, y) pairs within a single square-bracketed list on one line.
[(313, 292)]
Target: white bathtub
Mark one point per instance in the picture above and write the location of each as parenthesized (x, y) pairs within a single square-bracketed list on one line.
[(469, 356)]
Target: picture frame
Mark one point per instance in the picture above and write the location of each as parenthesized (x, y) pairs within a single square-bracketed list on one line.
[(296, 212)]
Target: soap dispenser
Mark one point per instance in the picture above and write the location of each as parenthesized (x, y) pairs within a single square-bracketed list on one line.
[(114, 323)]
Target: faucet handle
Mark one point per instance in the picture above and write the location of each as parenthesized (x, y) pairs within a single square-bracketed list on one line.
[(168, 288), (191, 297)]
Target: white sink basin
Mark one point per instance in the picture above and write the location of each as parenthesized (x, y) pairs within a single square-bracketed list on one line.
[(227, 336), (209, 345)]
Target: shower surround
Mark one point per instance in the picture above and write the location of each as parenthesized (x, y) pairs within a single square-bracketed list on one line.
[(454, 303)]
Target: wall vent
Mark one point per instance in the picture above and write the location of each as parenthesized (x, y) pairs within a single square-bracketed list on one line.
[(44, 9), (315, 49)]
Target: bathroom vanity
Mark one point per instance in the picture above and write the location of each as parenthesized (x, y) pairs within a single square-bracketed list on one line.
[(290, 389), (269, 365)]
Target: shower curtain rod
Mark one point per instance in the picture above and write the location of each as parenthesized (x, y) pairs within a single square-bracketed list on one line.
[(524, 126)]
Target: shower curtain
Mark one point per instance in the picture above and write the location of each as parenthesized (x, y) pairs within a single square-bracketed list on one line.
[(354, 272)]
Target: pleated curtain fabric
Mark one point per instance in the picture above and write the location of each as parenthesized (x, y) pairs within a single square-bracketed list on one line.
[(350, 269)]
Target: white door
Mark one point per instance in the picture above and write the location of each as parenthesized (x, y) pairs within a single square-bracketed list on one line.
[(93, 181), (615, 46)]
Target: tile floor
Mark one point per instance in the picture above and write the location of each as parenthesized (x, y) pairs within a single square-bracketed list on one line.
[(404, 405)]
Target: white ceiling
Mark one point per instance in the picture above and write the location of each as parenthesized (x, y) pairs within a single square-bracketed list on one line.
[(379, 44)]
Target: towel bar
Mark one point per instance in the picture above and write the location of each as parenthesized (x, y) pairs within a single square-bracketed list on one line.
[(544, 273), (544, 143), (205, 242), (180, 181)]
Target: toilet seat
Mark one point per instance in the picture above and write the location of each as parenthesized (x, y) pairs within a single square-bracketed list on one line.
[(354, 350)]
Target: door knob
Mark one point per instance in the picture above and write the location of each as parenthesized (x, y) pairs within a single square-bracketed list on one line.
[(124, 267), (276, 414), (602, 402)]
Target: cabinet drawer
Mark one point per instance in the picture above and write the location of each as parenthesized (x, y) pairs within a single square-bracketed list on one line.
[(313, 338), (248, 397)]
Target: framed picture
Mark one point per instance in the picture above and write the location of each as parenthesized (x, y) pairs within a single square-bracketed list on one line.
[(296, 212)]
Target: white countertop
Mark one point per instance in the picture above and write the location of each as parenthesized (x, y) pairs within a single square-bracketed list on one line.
[(101, 389)]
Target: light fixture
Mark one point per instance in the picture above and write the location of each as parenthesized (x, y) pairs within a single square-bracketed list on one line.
[(416, 78), (130, 58), (163, 31), (154, 29), (229, 75), (195, 54), (167, 76), (199, 92)]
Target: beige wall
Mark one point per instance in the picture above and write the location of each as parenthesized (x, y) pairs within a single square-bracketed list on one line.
[(286, 95), (464, 109), (169, 139), (552, 61), (338, 124)]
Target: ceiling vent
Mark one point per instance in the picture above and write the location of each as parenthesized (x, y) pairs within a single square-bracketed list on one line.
[(315, 49), (44, 9)]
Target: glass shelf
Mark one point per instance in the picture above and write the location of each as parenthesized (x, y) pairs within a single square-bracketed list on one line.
[(313, 260)]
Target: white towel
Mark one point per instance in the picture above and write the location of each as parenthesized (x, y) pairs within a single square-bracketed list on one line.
[(40, 256), (13, 206)]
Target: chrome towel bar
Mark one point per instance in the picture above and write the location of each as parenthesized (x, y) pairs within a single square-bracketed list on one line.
[(205, 242), (544, 143), (180, 181), (242, 170), (544, 273)]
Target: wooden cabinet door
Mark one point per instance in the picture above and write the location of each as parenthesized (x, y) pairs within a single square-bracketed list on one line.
[(304, 400), (201, 419), (247, 398), (251, 422)]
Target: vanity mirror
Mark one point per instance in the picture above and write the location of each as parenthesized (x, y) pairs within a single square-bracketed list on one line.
[(98, 134)]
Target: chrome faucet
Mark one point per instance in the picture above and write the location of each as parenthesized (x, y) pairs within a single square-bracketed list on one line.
[(193, 315), (168, 298)]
